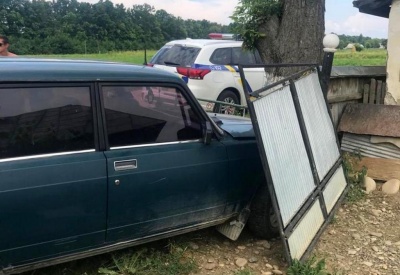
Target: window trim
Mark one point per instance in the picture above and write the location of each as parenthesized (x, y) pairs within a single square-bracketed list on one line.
[(155, 144), (47, 155)]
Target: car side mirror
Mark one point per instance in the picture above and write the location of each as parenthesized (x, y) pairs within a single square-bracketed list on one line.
[(208, 132)]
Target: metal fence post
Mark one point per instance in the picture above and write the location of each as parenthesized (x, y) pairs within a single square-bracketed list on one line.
[(330, 42)]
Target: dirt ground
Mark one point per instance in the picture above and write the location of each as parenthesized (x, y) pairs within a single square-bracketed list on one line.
[(363, 238)]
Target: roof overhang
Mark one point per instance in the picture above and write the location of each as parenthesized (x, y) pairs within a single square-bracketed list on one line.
[(374, 7)]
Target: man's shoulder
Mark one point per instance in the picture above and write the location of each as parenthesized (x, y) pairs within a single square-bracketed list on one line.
[(11, 54)]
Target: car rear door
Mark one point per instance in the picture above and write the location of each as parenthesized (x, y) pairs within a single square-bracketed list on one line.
[(172, 56), (53, 180), (161, 176)]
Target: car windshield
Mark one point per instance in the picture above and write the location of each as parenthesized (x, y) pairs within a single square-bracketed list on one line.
[(177, 55)]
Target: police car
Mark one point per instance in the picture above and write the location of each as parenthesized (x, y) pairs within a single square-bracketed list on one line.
[(210, 68)]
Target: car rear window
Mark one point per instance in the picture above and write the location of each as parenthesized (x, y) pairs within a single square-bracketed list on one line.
[(177, 55), (45, 120)]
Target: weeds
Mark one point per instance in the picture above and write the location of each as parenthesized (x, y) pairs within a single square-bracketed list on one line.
[(354, 176), (244, 272), (310, 267), (150, 261)]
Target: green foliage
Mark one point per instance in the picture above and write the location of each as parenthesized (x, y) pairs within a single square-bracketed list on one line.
[(250, 14), (368, 42), (69, 26), (244, 272), (155, 262), (310, 267), (354, 176)]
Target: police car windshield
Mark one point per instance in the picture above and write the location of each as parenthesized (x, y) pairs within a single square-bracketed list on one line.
[(177, 55)]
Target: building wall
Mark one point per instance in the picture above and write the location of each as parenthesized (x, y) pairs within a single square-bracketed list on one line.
[(393, 64)]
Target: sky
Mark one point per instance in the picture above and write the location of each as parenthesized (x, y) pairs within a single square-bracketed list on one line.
[(340, 16)]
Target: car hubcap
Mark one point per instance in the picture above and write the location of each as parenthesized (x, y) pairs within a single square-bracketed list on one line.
[(229, 110)]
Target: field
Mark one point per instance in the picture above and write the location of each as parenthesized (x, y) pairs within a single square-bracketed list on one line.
[(367, 57), (134, 57)]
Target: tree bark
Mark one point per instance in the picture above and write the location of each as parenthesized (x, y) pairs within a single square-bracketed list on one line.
[(295, 36)]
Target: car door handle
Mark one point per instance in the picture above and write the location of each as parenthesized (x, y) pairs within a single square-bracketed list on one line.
[(125, 165)]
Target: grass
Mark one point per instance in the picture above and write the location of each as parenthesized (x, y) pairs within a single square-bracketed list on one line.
[(367, 57), (134, 57), (309, 267), (145, 262), (244, 272), (354, 176), (159, 258)]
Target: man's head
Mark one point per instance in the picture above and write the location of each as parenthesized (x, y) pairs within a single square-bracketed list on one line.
[(4, 43)]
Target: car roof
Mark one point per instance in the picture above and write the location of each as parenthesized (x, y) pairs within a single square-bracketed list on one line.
[(17, 69), (204, 42)]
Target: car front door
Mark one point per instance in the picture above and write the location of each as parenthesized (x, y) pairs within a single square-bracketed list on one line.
[(53, 181), (161, 176)]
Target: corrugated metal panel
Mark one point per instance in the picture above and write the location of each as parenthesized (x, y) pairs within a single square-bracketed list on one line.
[(334, 189), (318, 123), (285, 151), (305, 231), (352, 143)]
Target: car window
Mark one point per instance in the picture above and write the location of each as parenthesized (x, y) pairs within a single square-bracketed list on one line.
[(159, 56), (177, 55), (241, 56), (45, 120), (222, 56), (138, 115)]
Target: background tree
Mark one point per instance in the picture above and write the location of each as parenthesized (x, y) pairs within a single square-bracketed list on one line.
[(72, 26), (283, 31)]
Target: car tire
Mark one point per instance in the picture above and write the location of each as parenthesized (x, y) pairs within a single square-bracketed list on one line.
[(263, 221), (226, 96)]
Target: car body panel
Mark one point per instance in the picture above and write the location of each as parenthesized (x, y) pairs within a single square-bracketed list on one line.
[(52, 205), (237, 127), (178, 194), (26, 70)]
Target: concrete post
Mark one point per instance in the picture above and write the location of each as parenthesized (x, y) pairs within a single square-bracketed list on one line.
[(392, 96), (331, 41)]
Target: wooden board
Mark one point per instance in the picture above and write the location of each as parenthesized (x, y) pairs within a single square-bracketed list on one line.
[(372, 91), (371, 119), (381, 169)]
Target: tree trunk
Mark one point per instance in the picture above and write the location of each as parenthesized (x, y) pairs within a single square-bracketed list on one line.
[(295, 36)]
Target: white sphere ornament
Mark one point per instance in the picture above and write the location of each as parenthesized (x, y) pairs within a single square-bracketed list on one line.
[(330, 42)]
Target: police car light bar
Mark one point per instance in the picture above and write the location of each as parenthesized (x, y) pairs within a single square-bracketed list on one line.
[(222, 36)]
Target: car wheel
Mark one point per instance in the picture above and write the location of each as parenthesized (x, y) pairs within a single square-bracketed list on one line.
[(263, 221), (227, 96)]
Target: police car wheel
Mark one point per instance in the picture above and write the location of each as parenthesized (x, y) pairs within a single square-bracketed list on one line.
[(227, 96)]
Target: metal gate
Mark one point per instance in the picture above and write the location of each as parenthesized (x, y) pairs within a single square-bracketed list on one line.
[(300, 154)]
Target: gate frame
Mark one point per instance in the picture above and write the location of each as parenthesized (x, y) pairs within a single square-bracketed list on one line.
[(320, 185)]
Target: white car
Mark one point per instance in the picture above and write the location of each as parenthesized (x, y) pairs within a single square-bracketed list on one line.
[(209, 66)]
